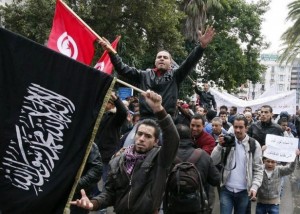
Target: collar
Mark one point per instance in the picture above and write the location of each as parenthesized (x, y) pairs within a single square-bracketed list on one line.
[(268, 123), (159, 73), (186, 143), (195, 138)]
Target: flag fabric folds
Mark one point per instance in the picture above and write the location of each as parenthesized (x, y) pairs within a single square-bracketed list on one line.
[(48, 107), (70, 36), (104, 64)]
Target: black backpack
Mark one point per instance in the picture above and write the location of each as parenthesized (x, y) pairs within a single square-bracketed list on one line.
[(185, 191)]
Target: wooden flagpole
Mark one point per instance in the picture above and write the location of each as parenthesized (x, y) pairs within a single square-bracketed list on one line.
[(100, 38), (191, 79)]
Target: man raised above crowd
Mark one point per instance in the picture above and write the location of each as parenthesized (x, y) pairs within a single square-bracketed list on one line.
[(163, 79), (207, 100)]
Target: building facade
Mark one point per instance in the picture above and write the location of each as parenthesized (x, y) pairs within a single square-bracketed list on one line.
[(276, 79)]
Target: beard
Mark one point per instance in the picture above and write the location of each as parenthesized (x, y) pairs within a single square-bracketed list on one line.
[(139, 151)]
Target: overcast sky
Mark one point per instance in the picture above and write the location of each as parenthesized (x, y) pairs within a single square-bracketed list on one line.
[(274, 24)]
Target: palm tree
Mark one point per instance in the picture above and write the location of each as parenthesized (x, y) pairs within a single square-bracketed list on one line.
[(197, 15), (291, 36)]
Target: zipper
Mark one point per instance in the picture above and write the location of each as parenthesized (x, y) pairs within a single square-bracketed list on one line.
[(130, 185)]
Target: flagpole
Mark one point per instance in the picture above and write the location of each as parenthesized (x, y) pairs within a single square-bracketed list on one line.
[(130, 86), (190, 79), (99, 37), (88, 27)]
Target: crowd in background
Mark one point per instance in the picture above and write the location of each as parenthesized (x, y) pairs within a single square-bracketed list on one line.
[(137, 157)]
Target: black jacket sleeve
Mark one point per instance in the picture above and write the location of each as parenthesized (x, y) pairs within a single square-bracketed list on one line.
[(93, 170), (121, 114)]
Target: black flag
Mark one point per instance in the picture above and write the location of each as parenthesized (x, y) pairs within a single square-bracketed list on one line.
[(48, 107)]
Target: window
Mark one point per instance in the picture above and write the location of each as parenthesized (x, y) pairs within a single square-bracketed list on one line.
[(281, 68), (281, 77), (280, 87), (272, 77)]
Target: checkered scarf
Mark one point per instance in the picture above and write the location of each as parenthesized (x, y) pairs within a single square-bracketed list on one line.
[(131, 157)]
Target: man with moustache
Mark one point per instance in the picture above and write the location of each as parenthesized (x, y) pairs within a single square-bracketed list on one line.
[(163, 79)]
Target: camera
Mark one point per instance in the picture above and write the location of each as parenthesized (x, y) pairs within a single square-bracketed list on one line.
[(229, 140)]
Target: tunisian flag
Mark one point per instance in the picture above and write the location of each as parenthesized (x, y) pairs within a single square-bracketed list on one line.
[(104, 63), (70, 36)]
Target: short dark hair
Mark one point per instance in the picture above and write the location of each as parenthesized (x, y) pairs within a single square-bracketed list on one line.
[(234, 108), (135, 115), (267, 106), (152, 123), (224, 107), (211, 114), (199, 117), (204, 109), (248, 108), (282, 120), (241, 118), (222, 112), (183, 131), (160, 50)]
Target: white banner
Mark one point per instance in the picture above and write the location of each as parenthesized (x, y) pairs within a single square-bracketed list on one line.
[(285, 101), (281, 148)]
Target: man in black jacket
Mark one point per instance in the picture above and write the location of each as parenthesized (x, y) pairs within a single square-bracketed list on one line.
[(138, 174), (108, 135), (264, 126), (91, 175), (207, 100), (163, 79), (208, 171)]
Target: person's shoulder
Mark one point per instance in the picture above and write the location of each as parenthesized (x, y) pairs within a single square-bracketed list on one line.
[(119, 153), (207, 135), (202, 153), (256, 124), (277, 126), (148, 70)]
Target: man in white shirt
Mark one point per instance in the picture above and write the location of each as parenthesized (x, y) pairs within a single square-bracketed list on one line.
[(242, 171)]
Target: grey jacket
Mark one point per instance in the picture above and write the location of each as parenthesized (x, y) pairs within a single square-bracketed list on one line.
[(269, 191), (254, 164)]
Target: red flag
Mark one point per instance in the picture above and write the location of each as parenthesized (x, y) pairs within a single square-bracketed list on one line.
[(70, 36), (104, 63)]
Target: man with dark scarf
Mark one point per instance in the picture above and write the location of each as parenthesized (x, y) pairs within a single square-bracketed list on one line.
[(138, 173)]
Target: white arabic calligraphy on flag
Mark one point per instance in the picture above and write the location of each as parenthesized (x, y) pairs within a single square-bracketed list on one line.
[(31, 157)]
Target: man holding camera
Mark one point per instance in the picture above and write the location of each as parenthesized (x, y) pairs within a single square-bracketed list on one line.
[(242, 171)]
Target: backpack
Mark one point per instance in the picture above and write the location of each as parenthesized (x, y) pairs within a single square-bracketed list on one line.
[(185, 191)]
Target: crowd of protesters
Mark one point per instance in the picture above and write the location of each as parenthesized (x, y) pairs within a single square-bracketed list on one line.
[(138, 142)]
